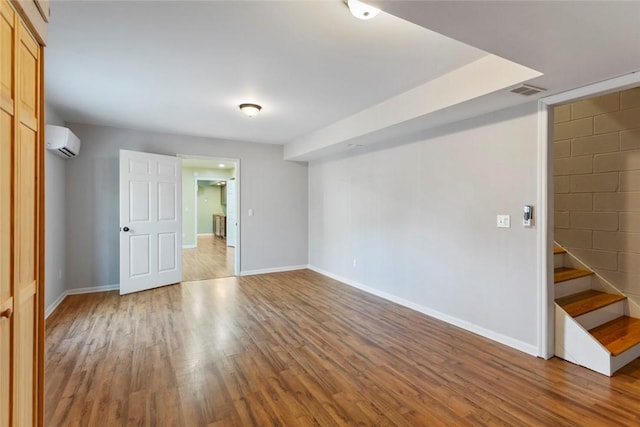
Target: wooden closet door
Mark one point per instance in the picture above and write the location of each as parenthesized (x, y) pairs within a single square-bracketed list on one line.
[(25, 203), (7, 107), (21, 216)]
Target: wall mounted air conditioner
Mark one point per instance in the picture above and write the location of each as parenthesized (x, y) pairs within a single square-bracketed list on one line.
[(61, 141)]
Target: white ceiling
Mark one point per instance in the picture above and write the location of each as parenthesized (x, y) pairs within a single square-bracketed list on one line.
[(183, 67), (573, 43)]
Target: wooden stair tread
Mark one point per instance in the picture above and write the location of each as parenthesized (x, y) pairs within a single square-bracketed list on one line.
[(562, 274), (587, 301), (619, 334), (558, 250)]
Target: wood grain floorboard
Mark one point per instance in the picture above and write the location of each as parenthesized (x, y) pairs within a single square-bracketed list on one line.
[(211, 259), (300, 349)]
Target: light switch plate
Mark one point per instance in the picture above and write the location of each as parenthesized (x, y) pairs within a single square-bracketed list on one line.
[(504, 221)]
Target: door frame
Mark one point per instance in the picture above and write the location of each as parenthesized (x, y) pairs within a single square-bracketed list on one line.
[(195, 209), (236, 161), (546, 290)]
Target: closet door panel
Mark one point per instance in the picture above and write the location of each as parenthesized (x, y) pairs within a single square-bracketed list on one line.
[(25, 203), (6, 300), (7, 70)]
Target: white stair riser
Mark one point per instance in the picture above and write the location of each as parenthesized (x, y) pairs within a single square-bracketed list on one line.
[(622, 359), (573, 286), (602, 315), (558, 260)]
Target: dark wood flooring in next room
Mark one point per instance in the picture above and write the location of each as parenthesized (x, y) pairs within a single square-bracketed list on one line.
[(298, 349)]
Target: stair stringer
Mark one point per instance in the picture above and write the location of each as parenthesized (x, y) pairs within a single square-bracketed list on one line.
[(576, 345), (578, 337)]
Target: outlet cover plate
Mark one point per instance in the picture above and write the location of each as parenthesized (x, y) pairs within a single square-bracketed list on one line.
[(504, 221)]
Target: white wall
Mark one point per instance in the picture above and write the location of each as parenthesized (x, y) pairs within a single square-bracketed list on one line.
[(420, 220), (55, 274), (274, 237)]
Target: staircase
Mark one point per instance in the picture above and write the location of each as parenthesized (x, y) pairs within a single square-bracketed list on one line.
[(595, 325)]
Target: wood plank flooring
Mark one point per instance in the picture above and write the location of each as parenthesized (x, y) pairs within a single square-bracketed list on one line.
[(212, 259), (298, 349)]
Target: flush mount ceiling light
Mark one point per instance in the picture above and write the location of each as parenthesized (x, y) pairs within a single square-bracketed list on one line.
[(361, 10), (250, 109)]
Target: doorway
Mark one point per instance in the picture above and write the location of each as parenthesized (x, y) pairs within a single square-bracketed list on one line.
[(546, 289), (210, 224)]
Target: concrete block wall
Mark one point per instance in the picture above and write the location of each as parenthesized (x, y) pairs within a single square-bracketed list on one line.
[(597, 185)]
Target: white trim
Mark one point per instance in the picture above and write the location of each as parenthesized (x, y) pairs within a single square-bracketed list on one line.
[(205, 234), (471, 327), (273, 270), (189, 246), (54, 305), (545, 327), (237, 251), (546, 321), (217, 159), (236, 175), (93, 289), (616, 84)]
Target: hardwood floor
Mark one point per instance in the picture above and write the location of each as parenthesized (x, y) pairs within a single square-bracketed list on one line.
[(298, 349), (212, 259)]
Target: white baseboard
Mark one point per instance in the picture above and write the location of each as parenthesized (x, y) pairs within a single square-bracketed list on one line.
[(189, 246), (52, 307), (471, 327), (273, 270), (90, 290), (205, 234), (77, 291)]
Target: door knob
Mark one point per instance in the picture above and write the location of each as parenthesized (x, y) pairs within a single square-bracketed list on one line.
[(125, 229), (6, 313)]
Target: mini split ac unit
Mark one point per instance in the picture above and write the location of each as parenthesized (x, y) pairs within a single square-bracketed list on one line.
[(61, 141)]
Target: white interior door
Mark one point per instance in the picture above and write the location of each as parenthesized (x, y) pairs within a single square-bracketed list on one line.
[(232, 213), (150, 221)]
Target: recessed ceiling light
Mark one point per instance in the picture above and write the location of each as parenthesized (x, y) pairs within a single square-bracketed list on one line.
[(221, 165), (361, 10), (250, 109)]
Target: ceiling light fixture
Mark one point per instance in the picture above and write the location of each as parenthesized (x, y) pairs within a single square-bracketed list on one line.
[(221, 165), (250, 109), (361, 10)]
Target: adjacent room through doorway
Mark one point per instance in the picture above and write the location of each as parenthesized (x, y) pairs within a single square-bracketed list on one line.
[(209, 218)]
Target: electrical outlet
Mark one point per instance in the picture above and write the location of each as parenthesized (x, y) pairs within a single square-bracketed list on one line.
[(355, 263)]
